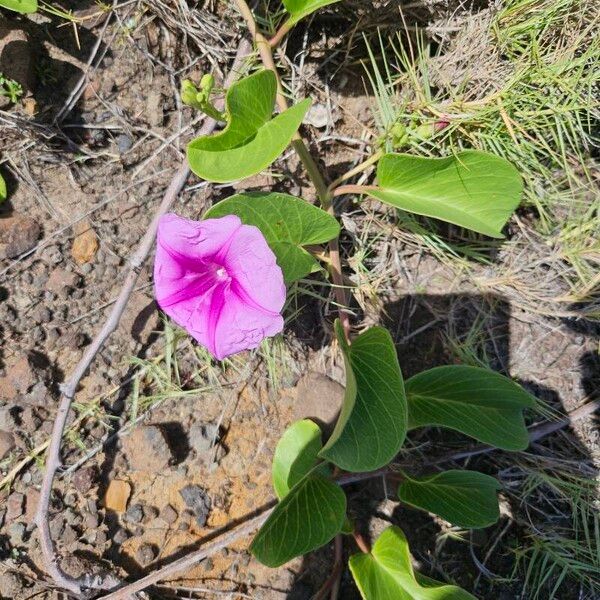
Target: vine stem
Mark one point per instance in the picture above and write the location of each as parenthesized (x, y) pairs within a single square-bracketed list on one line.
[(69, 388), (280, 34), (266, 55), (536, 433), (342, 190)]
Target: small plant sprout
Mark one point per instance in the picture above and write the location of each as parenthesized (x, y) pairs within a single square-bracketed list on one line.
[(10, 88)]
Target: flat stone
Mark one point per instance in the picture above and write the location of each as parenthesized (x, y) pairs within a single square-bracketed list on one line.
[(117, 495), (147, 449), (168, 514), (7, 444), (14, 506), (18, 234), (318, 398)]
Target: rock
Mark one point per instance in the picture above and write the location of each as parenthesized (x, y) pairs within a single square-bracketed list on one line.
[(14, 506), (69, 535), (124, 143), (7, 444), (202, 436), (117, 495), (145, 554), (61, 280), (168, 514), (198, 500), (147, 449), (90, 521), (18, 234), (154, 110), (8, 414), (16, 533), (11, 584), (120, 536), (318, 398), (85, 244), (150, 513), (318, 116), (32, 497), (21, 377), (83, 479), (134, 514), (17, 59)]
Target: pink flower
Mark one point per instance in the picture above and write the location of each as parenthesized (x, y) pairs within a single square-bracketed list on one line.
[(218, 279)]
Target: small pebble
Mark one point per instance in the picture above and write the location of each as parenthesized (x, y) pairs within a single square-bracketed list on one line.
[(134, 514), (120, 536), (145, 554), (168, 514)]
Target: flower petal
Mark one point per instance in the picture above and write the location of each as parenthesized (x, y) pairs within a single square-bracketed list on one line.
[(189, 240), (240, 326), (253, 267)]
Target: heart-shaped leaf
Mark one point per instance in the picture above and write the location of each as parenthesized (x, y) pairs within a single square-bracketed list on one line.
[(464, 498), (312, 514), (477, 402), (253, 139), (298, 9), (20, 6), (287, 223), (473, 189), (295, 455), (372, 424), (387, 573)]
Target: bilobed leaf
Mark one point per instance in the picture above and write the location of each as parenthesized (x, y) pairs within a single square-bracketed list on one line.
[(295, 455), (311, 515), (473, 189), (464, 498), (477, 402), (3, 192), (20, 6), (299, 9), (253, 139), (372, 423), (387, 573), (288, 224)]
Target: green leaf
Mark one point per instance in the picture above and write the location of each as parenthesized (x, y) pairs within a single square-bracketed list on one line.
[(313, 512), (477, 402), (372, 424), (252, 139), (296, 454), (3, 191), (20, 6), (464, 498), (288, 224), (299, 9), (473, 189), (387, 573)]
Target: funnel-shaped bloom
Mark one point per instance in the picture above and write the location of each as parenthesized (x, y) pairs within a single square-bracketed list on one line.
[(218, 279)]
